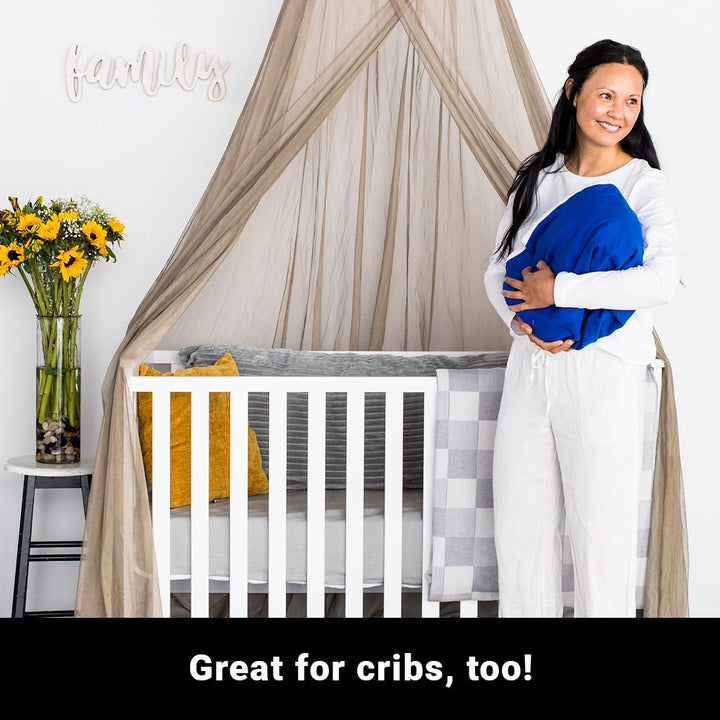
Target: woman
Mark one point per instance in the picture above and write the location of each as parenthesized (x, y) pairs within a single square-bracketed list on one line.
[(568, 445)]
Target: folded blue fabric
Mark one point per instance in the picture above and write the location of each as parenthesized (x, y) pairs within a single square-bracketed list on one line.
[(594, 229)]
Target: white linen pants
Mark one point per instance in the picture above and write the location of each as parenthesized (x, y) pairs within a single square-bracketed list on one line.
[(568, 448)]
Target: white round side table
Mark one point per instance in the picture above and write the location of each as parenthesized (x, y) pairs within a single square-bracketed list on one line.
[(41, 476)]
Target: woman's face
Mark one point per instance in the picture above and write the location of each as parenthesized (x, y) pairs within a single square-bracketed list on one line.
[(608, 105)]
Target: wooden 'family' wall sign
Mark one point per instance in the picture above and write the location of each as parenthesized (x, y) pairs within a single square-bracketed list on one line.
[(151, 70)]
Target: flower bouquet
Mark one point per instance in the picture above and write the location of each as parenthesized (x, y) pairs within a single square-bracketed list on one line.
[(53, 247)]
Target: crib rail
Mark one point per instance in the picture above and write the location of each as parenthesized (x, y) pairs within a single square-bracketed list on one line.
[(278, 388)]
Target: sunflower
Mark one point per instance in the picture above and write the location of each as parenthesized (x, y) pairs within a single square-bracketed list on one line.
[(115, 225), (49, 230), (65, 216), (96, 234), (13, 254), (70, 262), (28, 223)]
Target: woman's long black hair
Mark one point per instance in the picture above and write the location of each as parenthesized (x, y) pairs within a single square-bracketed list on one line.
[(562, 136)]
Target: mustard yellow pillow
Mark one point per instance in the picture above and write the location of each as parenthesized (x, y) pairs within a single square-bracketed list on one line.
[(219, 469)]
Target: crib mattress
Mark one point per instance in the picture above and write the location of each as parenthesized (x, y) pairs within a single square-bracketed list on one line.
[(373, 539)]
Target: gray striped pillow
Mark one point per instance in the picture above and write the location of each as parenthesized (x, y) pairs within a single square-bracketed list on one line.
[(262, 361)]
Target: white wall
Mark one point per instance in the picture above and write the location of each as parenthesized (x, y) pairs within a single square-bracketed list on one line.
[(149, 159)]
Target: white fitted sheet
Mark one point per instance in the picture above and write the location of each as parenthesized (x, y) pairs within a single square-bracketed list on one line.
[(410, 545)]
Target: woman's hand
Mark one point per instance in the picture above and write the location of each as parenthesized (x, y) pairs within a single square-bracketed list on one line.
[(554, 346), (535, 291)]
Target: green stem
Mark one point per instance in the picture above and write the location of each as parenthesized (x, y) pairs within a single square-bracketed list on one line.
[(79, 289), (40, 297), (31, 290), (58, 376), (47, 372)]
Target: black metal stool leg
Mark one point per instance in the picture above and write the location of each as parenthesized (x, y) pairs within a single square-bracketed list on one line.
[(85, 489), (23, 554)]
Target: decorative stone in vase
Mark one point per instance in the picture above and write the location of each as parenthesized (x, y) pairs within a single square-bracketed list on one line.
[(58, 389)]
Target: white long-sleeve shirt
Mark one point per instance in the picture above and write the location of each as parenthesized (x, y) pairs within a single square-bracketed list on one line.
[(639, 288)]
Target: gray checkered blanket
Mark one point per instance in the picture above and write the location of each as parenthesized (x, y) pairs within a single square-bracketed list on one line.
[(463, 563)]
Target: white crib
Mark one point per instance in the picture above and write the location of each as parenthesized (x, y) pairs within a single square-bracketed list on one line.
[(394, 522)]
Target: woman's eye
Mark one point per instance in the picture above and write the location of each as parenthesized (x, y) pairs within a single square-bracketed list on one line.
[(605, 96)]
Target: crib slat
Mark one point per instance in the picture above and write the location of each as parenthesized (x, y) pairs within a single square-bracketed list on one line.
[(316, 505), (427, 608), (277, 504), (199, 509), (355, 504), (392, 575), (161, 493), (238, 602)]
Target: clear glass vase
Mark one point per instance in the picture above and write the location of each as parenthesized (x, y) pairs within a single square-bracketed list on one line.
[(58, 389)]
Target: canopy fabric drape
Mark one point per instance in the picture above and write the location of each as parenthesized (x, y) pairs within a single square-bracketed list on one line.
[(354, 208)]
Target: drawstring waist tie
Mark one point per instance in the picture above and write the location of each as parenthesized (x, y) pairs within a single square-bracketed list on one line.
[(539, 360)]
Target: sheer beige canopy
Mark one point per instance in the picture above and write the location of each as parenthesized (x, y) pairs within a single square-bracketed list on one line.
[(355, 207)]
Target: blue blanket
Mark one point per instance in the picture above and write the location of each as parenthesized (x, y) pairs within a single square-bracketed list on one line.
[(595, 229)]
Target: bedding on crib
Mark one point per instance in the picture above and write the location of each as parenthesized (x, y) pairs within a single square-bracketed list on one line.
[(409, 543), (442, 545)]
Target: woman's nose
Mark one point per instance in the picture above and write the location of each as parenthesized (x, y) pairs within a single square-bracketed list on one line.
[(615, 110)]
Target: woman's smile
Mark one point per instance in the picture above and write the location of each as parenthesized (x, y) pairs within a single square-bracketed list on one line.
[(609, 126)]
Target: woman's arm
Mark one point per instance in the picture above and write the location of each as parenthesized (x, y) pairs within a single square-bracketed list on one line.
[(494, 279), (648, 285), (495, 275)]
